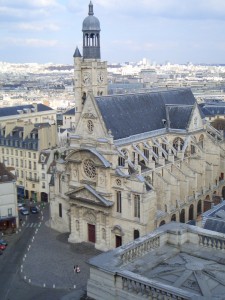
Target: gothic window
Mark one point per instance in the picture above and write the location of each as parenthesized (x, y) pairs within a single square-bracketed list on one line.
[(156, 150), (89, 168), (178, 143), (121, 161), (195, 122), (193, 149), (201, 140), (146, 153), (90, 126), (137, 204), (118, 202)]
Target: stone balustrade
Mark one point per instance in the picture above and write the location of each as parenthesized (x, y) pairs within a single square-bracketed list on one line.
[(140, 249), (213, 241), (150, 290)]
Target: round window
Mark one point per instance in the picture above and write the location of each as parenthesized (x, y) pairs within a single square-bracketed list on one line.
[(89, 168)]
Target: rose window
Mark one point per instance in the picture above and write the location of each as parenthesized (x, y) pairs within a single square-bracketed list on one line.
[(89, 168)]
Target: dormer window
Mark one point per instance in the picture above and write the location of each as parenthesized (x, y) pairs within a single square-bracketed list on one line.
[(42, 158)]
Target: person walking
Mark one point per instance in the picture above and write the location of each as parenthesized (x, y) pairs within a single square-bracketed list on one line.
[(77, 269), (74, 269)]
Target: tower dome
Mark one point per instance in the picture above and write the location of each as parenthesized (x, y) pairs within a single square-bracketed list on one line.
[(91, 35), (91, 22)]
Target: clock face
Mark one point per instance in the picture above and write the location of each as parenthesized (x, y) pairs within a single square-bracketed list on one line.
[(100, 77), (86, 78)]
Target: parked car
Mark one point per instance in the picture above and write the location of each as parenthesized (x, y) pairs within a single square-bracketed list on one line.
[(3, 242), (24, 211), (34, 210), (2, 247), (20, 206)]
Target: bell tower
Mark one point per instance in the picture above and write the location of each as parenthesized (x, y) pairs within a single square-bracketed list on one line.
[(90, 73)]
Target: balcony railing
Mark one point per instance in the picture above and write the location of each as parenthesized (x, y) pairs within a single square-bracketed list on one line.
[(32, 179)]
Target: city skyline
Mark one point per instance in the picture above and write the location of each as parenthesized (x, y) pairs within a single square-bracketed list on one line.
[(170, 30)]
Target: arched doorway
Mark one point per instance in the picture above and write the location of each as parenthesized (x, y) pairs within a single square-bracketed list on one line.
[(191, 212), (162, 223), (199, 208), (182, 216), (173, 218), (44, 197), (136, 234)]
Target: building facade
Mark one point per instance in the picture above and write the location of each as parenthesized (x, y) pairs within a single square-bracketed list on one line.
[(135, 162), (8, 200), (28, 146)]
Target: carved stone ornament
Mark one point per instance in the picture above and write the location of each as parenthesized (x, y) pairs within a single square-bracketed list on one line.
[(101, 179), (90, 217), (89, 115), (74, 172)]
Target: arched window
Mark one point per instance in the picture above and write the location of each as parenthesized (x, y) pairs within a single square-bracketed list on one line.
[(173, 218), (178, 143), (191, 212), (121, 161), (201, 141), (182, 216), (199, 208), (162, 223)]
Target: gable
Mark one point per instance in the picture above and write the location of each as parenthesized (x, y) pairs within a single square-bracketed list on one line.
[(132, 114), (89, 195), (195, 119), (90, 125)]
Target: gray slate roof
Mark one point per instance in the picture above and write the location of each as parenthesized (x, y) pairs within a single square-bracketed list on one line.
[(77, 53), (215, 225), (70, 112), (131, 114), (179, 116), (13, 110)]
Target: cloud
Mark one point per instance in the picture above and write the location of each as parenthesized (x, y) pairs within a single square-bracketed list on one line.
[(17, 10), (30, 42), (29, 4), (190, 9), (37, 26)]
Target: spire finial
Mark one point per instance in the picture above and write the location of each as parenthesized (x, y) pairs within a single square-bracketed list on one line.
[(91, 12)]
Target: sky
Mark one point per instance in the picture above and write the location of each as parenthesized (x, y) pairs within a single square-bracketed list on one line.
[(178, 31)]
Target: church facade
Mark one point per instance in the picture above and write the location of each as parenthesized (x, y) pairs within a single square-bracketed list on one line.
[(135, 162)]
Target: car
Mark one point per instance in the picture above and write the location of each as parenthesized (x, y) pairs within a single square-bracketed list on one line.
[(2, 247), (3, 242), (20, 206), (34, 210), (24, 211)]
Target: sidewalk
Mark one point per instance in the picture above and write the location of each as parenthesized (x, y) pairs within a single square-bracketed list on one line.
[(50, 260)]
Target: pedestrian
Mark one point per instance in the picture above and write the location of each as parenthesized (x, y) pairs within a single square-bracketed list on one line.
[(74, 268), (77, 269)]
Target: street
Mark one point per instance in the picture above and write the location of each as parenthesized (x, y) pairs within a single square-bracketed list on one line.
[(16, 270)]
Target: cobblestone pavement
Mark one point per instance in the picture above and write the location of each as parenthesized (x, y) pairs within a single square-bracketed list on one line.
[(50, 259)]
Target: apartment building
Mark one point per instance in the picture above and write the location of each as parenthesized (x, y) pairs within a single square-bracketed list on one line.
[(27, 144), (8, 199)]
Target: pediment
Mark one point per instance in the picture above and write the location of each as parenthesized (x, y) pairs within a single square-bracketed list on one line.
[(89, 195)]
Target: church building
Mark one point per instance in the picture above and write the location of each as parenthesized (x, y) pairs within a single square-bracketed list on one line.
[(135, 161)]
